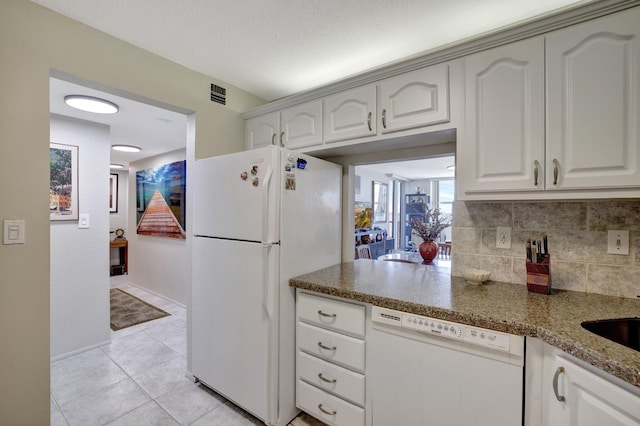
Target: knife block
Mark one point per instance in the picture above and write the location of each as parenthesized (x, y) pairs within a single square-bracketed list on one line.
[(539, 276)]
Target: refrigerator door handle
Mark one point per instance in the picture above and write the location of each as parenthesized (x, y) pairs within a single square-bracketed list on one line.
[(265, 280), (265, 204)]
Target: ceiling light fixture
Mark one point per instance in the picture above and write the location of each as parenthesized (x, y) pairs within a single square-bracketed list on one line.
[(91, 104), (126, 148), (116, 166), (451, 167)]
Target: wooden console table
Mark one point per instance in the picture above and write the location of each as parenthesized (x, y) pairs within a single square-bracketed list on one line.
[(123, 245)]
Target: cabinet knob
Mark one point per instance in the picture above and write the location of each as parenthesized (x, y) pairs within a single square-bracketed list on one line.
[(559, 371)]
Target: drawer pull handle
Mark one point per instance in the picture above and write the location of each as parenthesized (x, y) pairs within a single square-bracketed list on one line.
[(330, 413), (559, 371), (322, 314), (332, 348), (326, 380)]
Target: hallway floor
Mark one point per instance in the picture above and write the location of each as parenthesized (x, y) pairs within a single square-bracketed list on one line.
[(139, 379)]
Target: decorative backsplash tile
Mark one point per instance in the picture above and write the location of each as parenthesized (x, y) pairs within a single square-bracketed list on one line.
[(577, 234)]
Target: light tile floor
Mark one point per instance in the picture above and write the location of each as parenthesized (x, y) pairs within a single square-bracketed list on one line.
[(139, 379)]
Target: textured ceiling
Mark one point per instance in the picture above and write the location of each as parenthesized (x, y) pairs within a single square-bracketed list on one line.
[(274, 48)]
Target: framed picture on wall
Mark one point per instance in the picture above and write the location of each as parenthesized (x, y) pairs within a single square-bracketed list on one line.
[(113, 193), (63, 182)]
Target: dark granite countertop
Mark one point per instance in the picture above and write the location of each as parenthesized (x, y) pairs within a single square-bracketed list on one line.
[(432, 291)]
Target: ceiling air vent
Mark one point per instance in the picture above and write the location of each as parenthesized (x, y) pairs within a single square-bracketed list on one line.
[(218, 94)]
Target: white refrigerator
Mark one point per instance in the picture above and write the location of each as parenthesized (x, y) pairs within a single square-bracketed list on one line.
[(260, 218)]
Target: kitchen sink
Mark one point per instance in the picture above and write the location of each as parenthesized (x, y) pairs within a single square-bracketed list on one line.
[(625, 331)]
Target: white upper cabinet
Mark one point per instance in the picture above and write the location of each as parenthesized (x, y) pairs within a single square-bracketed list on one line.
[(262, 130), (294, 127), (414, 99), (301, 125), (503, 146), (350, 114), (593, 99), (586, 79)]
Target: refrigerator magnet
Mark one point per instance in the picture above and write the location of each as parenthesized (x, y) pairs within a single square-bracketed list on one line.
[(302, 163), (290, 182), (255, 181), (254, 170), (287, 167), (244, 175)]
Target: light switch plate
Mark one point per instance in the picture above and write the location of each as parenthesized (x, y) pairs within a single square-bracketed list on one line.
[(83, 221), (618, 242), (13, 231)]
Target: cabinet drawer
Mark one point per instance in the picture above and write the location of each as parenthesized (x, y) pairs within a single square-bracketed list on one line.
[(338, 348), (331, 378), (326, 407), (332, 314)]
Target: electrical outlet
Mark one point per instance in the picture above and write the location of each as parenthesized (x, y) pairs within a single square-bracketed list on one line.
[(618, 242), (503, 237)]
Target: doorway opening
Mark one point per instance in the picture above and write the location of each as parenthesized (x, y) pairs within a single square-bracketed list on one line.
[(432, 154), (81, 255), (389, 195)]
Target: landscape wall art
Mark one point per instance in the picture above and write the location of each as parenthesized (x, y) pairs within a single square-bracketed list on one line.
[(160, 200)]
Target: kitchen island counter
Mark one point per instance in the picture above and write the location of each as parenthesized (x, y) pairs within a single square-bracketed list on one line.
[(431, 291)]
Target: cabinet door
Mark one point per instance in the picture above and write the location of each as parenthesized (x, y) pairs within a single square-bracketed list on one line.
[(502, 148), (593, 98), (262, 131), (302, 125), (589, 400), (415, 99), (350, 114)]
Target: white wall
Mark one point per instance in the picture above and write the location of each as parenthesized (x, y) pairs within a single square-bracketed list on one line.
[(79, 257), (159, 264)]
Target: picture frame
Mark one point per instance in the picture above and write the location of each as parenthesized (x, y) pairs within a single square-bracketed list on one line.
[(113, 193), (379, 197), (161, 193), (63, 182)]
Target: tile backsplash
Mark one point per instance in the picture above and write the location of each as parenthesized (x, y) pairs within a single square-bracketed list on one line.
[(577, 233)]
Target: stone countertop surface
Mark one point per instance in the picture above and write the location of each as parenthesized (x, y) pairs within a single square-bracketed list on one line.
[(431, 291)]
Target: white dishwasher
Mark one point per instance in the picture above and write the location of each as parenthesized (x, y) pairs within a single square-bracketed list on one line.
[(426, 371)]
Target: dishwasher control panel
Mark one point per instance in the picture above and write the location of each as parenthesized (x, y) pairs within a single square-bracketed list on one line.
[(464, 333)]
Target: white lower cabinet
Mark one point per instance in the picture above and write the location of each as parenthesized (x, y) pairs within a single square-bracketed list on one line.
[(578, 396), (572, 392), (330, 359)]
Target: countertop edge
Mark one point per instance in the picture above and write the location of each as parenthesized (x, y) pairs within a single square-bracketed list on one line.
[(623, 372)]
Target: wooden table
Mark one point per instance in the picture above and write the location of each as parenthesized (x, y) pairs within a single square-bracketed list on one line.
[(123, 245)]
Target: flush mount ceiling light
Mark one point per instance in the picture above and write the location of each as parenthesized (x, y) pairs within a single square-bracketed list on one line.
[(91, 104), (116, 166), (126, 148)]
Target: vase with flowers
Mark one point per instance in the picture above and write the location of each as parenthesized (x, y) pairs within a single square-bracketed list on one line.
[(429, 231)]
